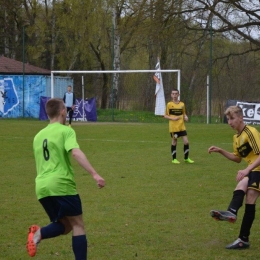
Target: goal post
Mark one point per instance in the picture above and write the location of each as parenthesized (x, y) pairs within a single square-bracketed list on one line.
[(111, 72)]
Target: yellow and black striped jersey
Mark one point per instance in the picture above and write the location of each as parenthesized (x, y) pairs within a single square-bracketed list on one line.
[(246, 145), (174, 110)]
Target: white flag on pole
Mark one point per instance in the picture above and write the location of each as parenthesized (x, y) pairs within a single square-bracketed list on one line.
[(160, 105)]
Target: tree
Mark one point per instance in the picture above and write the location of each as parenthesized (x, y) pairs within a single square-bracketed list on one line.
[(11, 21), (237, 20)]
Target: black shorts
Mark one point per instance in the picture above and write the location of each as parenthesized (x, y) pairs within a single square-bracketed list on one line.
[(69, 109), (58, 207), (254, 180), (178, 134)]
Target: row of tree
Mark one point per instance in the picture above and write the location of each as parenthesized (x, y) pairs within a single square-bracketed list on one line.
[(216, 38)]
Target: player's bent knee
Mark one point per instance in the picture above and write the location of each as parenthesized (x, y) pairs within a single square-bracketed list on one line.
[(67, 230), (251, 196)]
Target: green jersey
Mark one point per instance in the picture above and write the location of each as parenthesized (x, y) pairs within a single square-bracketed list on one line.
[(52, 147)]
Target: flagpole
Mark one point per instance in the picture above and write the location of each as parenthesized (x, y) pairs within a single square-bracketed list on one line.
[(160, 104), (179, 82), (83, 99)]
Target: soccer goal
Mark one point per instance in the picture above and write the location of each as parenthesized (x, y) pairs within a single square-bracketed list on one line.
[(124, 90)]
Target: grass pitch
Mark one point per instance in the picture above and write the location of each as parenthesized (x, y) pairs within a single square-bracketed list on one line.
[(150, 209)]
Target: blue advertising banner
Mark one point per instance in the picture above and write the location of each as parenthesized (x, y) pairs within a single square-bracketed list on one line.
[(43, 114), (20, 94), (88, 114), (90, 109), (9, 97)]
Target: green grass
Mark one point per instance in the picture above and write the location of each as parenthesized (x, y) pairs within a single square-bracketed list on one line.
[(150, 209), (116, 115)]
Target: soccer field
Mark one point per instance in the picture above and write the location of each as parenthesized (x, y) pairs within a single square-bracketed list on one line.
[(150, 209)]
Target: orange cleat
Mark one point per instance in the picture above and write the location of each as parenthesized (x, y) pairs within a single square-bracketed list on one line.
[(33, 240)]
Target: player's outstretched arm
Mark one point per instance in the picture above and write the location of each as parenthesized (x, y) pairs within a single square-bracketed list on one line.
[(228, 155), (81, 158)]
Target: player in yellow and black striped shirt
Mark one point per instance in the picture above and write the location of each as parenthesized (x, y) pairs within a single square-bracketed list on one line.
[(246, 146), (176, 114)]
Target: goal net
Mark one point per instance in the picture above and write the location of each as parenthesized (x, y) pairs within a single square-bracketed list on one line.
[(117, 92)]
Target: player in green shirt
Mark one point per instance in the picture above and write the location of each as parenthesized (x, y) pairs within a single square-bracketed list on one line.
[(55, 185), (246, 146)]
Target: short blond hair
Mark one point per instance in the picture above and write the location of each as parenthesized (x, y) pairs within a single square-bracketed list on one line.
[(230, 111)]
